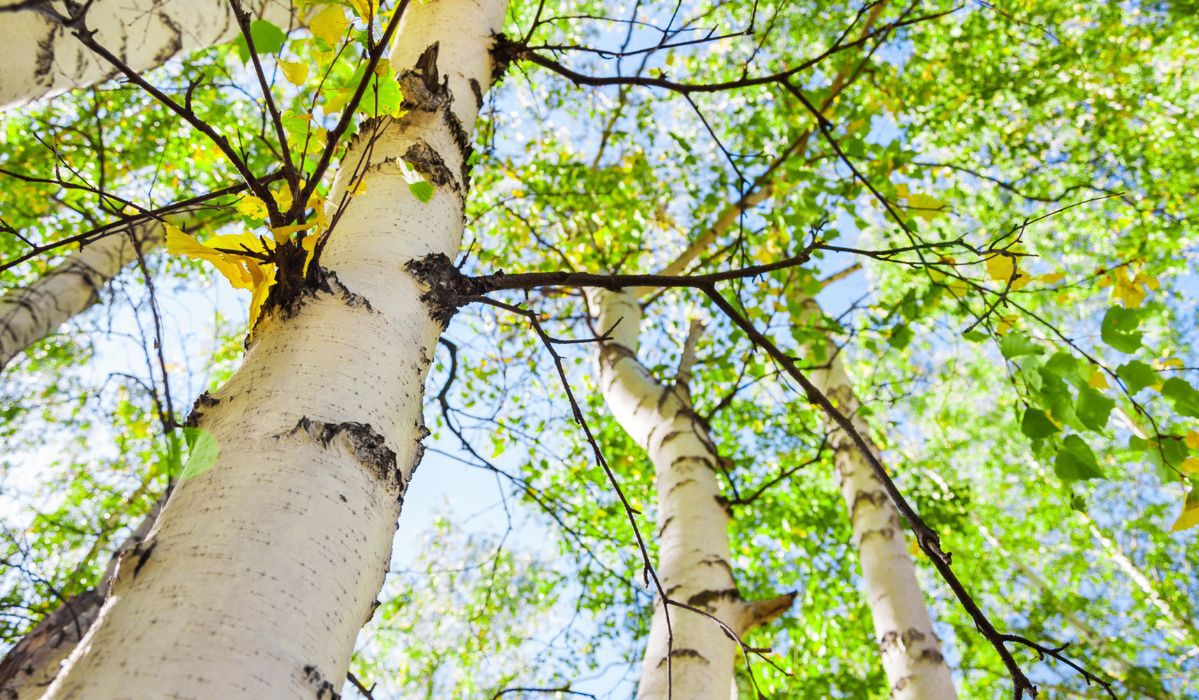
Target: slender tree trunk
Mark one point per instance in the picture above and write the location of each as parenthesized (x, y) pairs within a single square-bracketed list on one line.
[(262, 569), (42, 59), (911, 651), (29, 667), (31, 313), (694, 562)]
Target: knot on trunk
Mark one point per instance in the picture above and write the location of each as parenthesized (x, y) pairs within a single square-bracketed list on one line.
[(447, 288), (503, 52), (422, 86)]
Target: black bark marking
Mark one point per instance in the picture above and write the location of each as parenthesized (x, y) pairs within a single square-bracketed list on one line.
[(684, 654), (421, 86), (503, 52), (874, 498), (704, 599), (292, 288), (203, 401), (44, 63), (142, 554), (175, 45), (430, 164), (367, 446), (448, 288), (324, 689), (477, 90)]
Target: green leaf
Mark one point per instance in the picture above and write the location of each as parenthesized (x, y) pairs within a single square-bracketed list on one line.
[(422, 190), (1075, 461), (203, 452), (1093, 408), (1015, 344), (1064, 365), (1136, 375), (1119, 329), (1036, 424), (1182, 395), (901, 335), (267, 37)]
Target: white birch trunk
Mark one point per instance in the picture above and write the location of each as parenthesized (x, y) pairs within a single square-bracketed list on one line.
[(31, 313), (911, 650), (694, 564), (41, 58), (261, 570)]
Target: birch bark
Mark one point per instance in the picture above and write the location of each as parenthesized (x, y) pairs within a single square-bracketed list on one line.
[(694, 565), (31, 313), (42, 59), (911, 651), (261, 570)]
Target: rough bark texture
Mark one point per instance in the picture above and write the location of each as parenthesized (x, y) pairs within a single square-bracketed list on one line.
[(41, 58), (31, 313), (694, 564), (911, 651), (29, 667), (262, 569)]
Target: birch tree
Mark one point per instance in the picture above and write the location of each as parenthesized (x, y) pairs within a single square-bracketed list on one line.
[(893, 335), (42, 59)]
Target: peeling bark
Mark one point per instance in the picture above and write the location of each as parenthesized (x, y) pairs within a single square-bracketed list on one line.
[(910, 649), (42, 59), (694, 560), (260, 571)]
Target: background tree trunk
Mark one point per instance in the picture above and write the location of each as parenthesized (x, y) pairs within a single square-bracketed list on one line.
[(29, 667), (911, 651), (31, 313), (41, 58), (695, 566), (262, 569)]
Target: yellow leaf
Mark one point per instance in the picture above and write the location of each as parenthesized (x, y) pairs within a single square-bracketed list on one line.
[(259, 295), (958, 287), (283, 197), (364, 8), (1052, 277), (1000, 267), (1098, 380), (179, 243), (1147, 280), (308, 243), (251, 207), (926, 207), (296, 73), (1189, 517), (329, 25), (1128, 289), (282, 233), (1190, 465), (1192, 440)]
